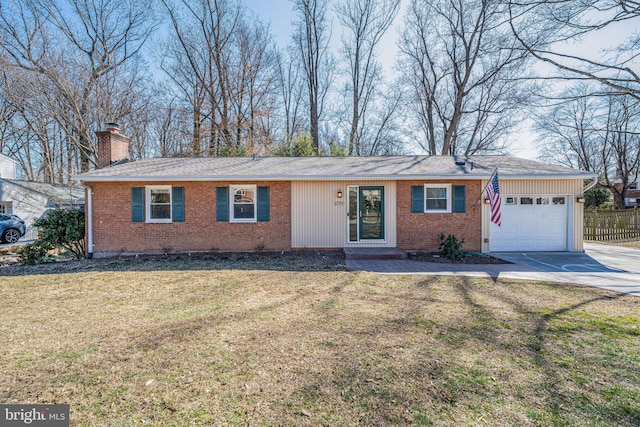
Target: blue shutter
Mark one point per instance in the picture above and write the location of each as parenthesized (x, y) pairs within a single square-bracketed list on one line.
[(222, 204), (137, 204), (417, 199), (263, 204), (177, 204), (459, 198)]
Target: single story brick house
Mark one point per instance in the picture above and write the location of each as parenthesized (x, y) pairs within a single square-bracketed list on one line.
[(283, 203)]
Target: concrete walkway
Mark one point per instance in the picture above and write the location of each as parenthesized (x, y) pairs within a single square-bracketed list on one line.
[(609, 267)]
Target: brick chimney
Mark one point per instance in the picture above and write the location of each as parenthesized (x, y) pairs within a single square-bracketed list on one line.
[(112, 146)]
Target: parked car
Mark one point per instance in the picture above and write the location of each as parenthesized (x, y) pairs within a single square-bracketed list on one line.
[(12, 228)]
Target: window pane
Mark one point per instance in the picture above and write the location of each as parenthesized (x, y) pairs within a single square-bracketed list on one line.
[(437, 204), (160, 196), (160, 212), (243, 195), (542, 201), (242, 211), (436, 193), (526, 200), (558, 200)]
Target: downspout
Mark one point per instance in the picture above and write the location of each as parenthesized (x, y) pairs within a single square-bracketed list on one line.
[(89, 223)]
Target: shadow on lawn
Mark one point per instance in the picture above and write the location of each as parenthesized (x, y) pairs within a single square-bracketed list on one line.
[(558, 322)]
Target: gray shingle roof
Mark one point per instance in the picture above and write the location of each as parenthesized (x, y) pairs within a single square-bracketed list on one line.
[(56, 194), (329, 168)]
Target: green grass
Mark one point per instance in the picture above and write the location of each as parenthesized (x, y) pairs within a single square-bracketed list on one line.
[(162, 344)]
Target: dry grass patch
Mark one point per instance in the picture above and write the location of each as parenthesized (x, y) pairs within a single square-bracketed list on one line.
[(244, 347)]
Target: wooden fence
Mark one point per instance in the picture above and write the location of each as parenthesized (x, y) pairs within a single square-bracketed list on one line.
[(611, 225)]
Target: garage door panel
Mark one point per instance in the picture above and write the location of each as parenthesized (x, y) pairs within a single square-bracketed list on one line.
[(530, 227)]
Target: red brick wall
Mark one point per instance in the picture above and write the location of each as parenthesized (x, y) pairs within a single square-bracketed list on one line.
[(419, 231), (113, 231)]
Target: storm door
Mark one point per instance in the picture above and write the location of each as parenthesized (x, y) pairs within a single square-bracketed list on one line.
[(366, 213)]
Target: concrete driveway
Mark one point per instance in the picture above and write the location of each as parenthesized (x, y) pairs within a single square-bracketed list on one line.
[(604, 266)]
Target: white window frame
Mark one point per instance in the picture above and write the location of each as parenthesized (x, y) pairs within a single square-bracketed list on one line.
[(147, 203), (232, 189), (449, 198)]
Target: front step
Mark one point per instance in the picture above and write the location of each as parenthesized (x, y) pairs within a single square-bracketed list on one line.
[(374, 253)]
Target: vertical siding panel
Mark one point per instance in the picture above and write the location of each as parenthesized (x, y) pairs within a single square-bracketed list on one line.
[(319, 217)]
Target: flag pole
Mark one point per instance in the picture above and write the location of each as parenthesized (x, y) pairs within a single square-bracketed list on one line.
[(486, 185)]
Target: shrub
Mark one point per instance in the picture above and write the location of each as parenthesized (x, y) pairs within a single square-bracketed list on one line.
[(32, 253), (60, 228), (450, 247), (596, 197)]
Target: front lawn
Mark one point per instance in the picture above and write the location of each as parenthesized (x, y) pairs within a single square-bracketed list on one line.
[(191, 343)]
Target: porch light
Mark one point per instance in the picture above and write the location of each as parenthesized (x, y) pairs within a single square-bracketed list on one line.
[(339, 194), (580, 199), (487, 201)]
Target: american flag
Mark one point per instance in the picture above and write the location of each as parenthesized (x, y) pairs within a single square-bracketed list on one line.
[(493, 193)]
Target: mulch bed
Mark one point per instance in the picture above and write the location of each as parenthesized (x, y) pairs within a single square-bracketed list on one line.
[(470, 258), (282, 260)]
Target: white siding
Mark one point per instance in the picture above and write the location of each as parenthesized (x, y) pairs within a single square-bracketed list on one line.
[(7, 168), (547, 187), (319, 217), (28, 205)]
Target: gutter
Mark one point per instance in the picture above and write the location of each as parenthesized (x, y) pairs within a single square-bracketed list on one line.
[(592, 183)]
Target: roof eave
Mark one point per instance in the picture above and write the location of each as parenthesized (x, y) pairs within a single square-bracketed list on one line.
[(131, 178)]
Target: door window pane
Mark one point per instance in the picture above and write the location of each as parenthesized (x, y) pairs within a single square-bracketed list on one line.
[(371, 213)]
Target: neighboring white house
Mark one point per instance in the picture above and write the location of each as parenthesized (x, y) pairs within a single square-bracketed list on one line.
[(30, 200), (8, 167)]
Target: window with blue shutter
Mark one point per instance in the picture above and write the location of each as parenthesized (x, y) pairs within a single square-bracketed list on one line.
[(222, 204), (137, 204), (459, 198), (417, 199)]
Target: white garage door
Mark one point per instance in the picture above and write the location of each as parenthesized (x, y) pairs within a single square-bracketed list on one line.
[(531, 223)]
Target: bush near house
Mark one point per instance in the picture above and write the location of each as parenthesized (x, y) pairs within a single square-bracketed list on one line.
[(450, 247), (60, 228)]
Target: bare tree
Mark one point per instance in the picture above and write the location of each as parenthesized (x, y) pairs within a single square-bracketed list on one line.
[(290, 83), (464, 74), (543, 27), (597, 134), (621, 144), (222, 61), (311, 38), (365, 22), (569, 131), (76, 45)]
